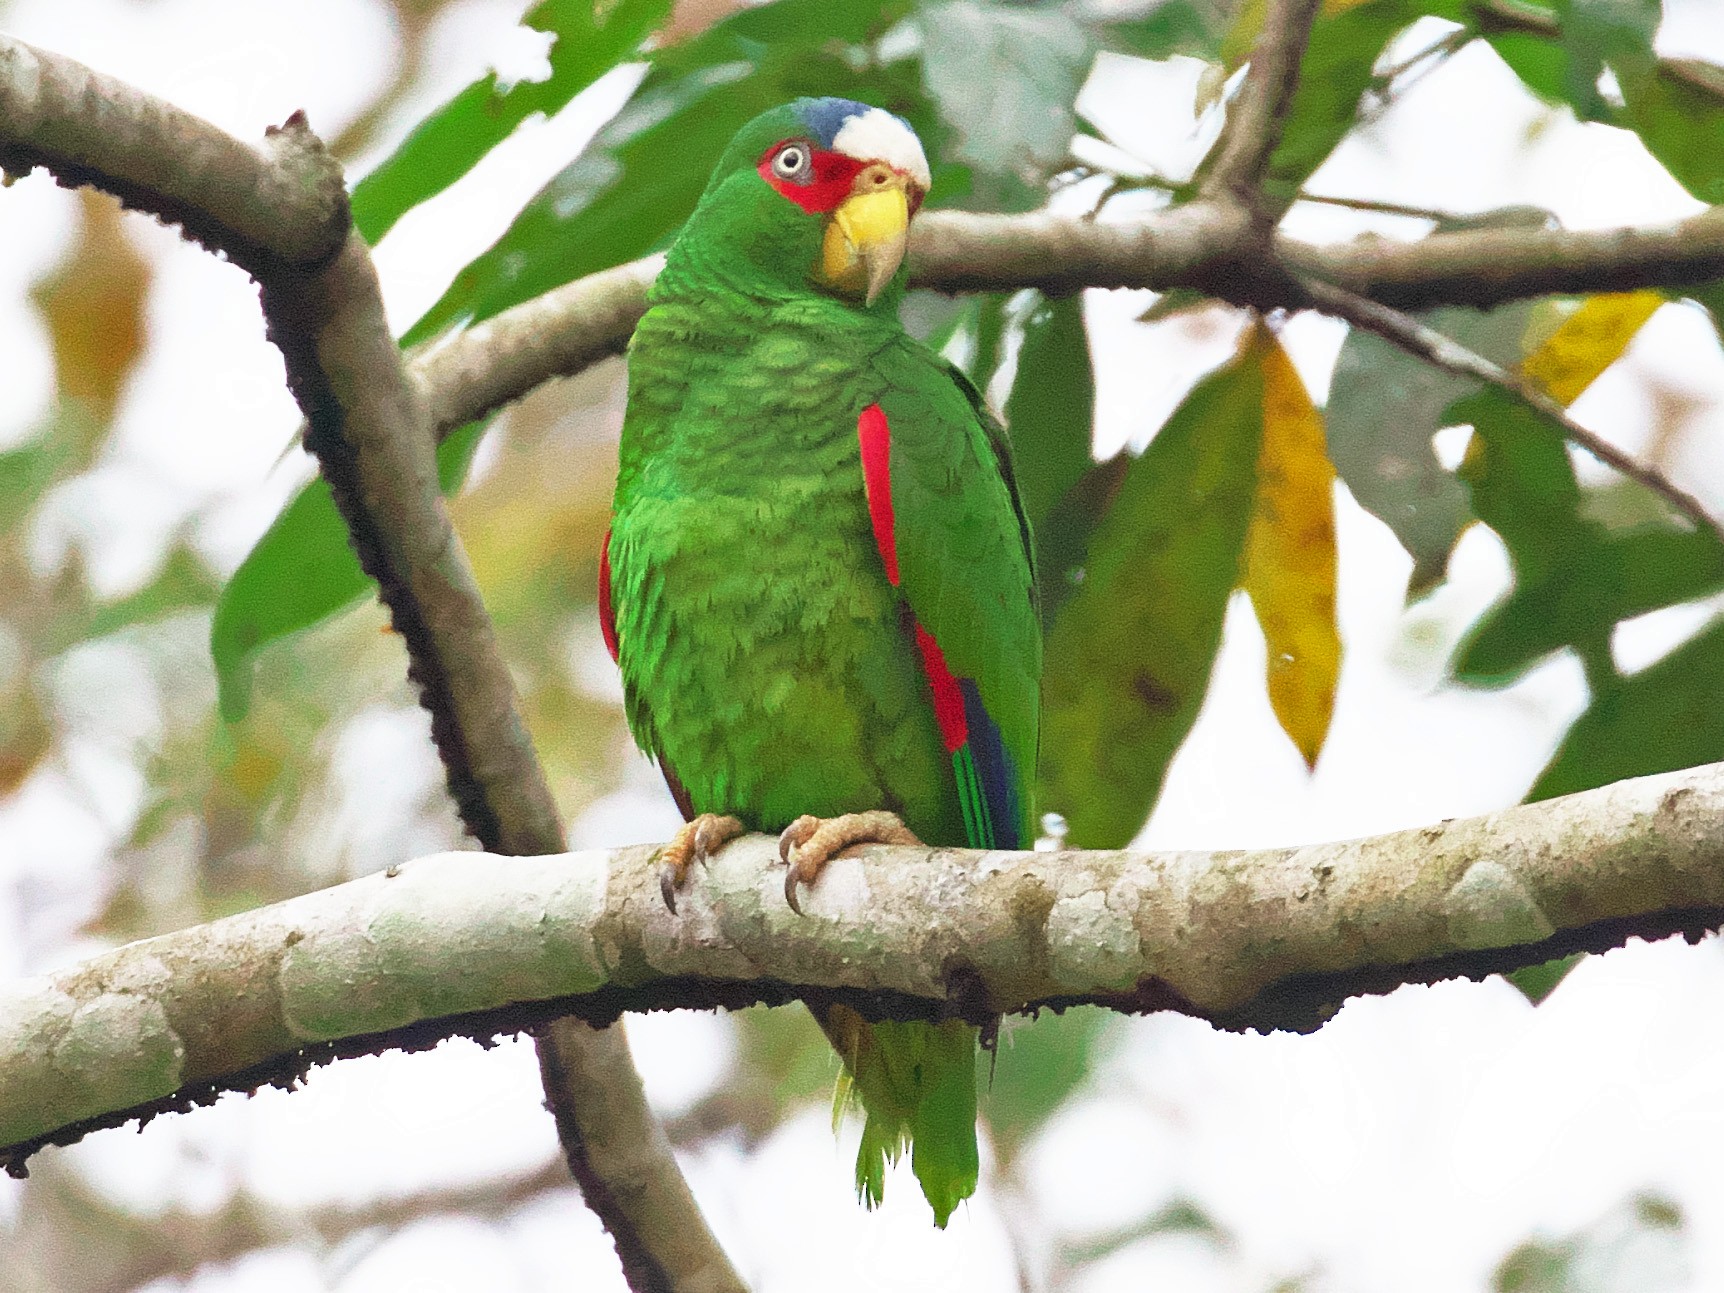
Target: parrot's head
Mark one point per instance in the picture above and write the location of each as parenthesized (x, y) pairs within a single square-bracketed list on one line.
[(819, 192)]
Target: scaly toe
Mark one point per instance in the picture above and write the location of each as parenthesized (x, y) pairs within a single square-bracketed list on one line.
[(795, 835), (695, 841), (809, 843)]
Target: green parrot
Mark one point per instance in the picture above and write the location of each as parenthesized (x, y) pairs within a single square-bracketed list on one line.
[(818, 582)]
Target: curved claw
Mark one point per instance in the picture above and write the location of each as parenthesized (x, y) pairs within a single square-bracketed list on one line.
[(695, 842), (790, 839)]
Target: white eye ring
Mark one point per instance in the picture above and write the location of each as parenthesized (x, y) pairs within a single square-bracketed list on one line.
[(791, 162)]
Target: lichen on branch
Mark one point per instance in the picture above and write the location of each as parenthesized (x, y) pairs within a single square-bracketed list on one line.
[(463, 944)]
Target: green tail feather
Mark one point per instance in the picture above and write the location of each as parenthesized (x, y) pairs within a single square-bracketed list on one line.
[(917, 1086)]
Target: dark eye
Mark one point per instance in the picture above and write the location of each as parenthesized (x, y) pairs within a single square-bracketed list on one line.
[(792, 162)]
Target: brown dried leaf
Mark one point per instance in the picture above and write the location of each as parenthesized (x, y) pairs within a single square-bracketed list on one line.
[(93, 304)]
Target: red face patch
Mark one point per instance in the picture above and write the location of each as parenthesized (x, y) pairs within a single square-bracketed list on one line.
[(813, 178)]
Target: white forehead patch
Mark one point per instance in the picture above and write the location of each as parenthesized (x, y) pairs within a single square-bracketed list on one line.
[(877, 136)]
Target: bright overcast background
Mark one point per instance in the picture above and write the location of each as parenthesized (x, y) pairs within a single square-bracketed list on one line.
[(1410, 1144)]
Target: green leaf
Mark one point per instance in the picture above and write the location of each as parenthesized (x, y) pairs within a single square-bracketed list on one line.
[(1668, 716), (1337, 70), (1005, 78), (29, 470), (630, 190), (1523, 486), (1541, 63), (300, 572), (1039, 1064), (591, 38), (1384, 407), (1051, 411), (1640, 1245), (1536, 982), (1129, 654), (1677, 108), (1575, 577), (1173, 27), (1063, 537), (1610, 578), (1595, 32)]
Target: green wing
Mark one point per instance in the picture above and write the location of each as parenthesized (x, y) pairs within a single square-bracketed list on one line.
[(964, 557)]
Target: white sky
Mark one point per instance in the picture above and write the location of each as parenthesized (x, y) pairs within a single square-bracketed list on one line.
[(1407, 1145)]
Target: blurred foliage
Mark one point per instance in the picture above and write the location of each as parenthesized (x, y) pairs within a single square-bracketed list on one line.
[(1638, 1247), (1037, 1065)]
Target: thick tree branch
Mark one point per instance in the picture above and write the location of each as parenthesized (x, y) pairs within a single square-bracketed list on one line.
[(1446, 353), (1270, 938), (1254, 118), (368, 426), (284, 202)]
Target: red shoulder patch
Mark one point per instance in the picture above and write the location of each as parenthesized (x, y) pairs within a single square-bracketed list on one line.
[(607, 613), (948, 698), (875, 436)]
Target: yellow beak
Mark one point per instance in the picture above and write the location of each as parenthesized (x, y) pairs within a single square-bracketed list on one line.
[(866, 236)]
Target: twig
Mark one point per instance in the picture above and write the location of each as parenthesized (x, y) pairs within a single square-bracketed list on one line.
[(442, 946), (1378, 206), (1446, 353), (1254, 118), (75, 1240), (1446, 44)]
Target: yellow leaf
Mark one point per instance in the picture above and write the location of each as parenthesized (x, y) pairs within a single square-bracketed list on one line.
[(1290, 553), (1589, 341)]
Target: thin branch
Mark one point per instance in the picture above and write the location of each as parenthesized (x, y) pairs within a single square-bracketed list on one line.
[(75, 1240), (368, 426), (476, 371), (1378, 207), (555, 335), (1255, 116), (283, 202), (1444, 46), (442, 946), (1484, 267), (1446, 353)]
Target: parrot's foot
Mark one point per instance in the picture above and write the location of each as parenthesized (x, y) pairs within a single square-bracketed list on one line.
[(809, 843), (695, 842)]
